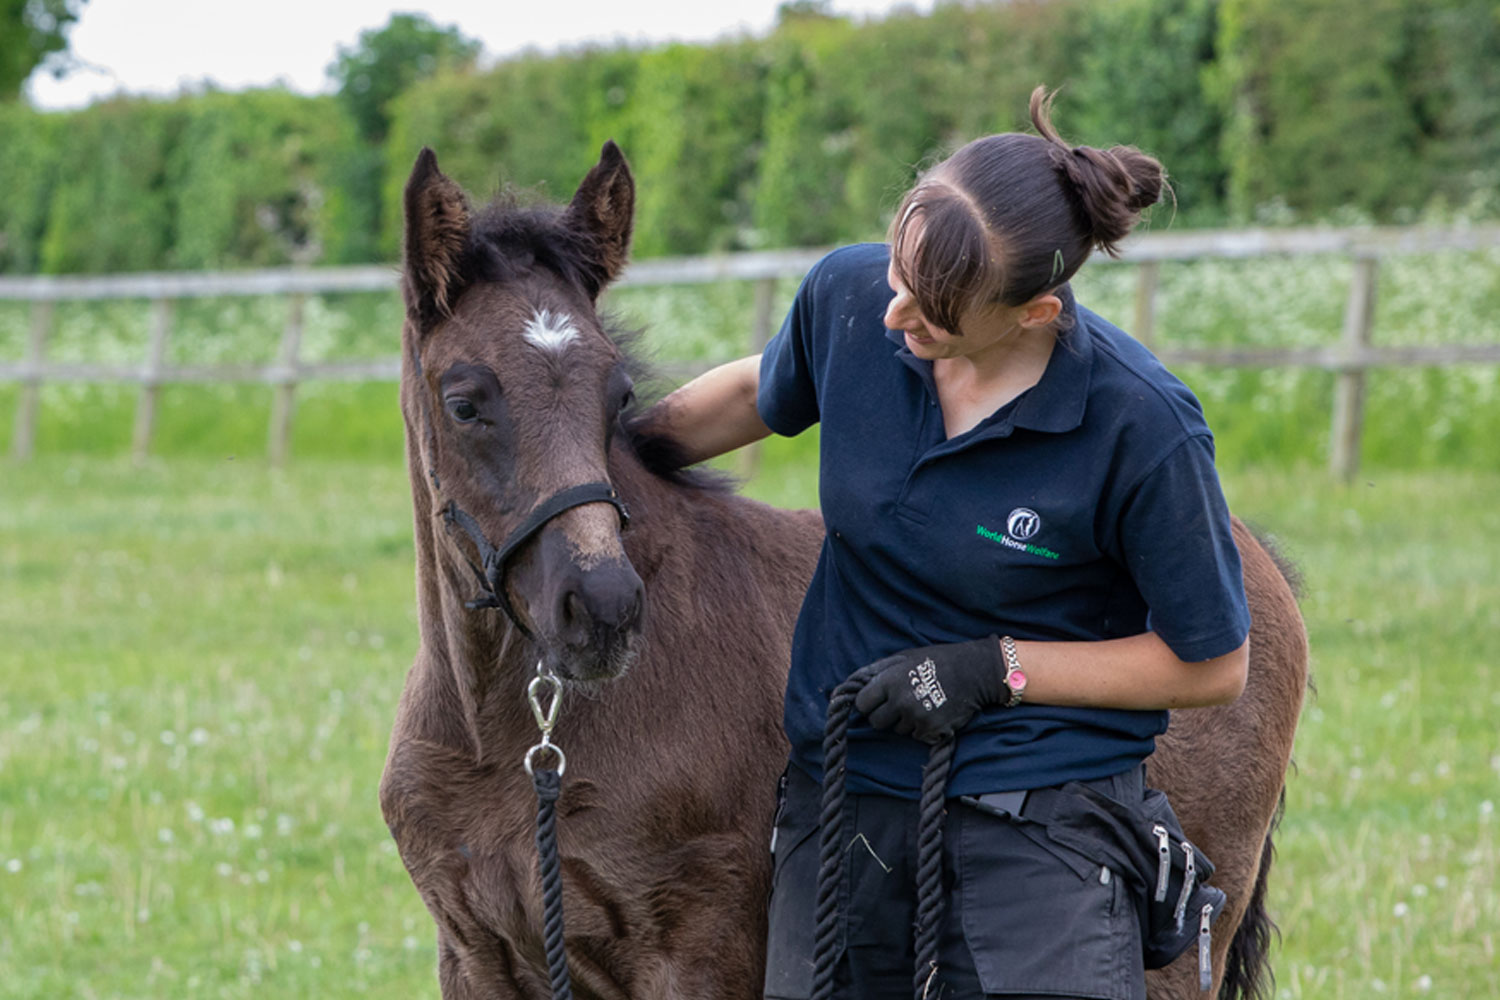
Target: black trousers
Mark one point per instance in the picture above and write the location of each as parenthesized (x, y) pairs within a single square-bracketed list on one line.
[(1024, 917)]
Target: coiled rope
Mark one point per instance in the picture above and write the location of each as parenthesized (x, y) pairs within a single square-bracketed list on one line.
[(932, 812)]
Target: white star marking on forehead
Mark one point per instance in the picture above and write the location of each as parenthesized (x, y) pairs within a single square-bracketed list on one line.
[(550, 331)]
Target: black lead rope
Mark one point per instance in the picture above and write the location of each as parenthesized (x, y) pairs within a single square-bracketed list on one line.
[(932, 812), (548, 784)]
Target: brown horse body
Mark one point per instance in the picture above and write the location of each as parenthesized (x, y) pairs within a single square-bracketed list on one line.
[(512, 391)]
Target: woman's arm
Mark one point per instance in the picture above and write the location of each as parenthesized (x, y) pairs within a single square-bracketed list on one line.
[(714, 413), (1138, 672)]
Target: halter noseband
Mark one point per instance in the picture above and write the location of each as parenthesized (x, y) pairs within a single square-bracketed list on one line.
[(490, 570)]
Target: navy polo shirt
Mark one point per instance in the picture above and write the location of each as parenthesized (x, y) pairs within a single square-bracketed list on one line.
[(1086, 508)]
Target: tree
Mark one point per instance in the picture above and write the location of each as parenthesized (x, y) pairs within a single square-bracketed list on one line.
[(387, 61), (32, 32)]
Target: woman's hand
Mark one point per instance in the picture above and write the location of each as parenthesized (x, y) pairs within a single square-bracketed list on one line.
[(932, 692)]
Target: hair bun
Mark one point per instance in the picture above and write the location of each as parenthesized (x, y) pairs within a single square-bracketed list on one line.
[(1113, 186)]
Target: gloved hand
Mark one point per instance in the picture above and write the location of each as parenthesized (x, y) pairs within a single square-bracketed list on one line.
[(932, 692)]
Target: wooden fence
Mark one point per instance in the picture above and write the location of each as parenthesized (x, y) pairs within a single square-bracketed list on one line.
[(1350, 358)]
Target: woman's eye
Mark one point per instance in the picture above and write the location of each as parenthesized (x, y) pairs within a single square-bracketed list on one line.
[(461, 409)]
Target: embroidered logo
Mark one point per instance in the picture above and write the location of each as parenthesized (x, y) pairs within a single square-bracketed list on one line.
[(1022, 523), (924, 684)]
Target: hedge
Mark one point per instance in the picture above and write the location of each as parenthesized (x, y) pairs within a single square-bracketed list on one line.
[(1262, 110)]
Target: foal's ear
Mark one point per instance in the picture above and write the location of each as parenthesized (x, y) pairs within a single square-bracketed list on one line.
[(437, 230), (604, 207)]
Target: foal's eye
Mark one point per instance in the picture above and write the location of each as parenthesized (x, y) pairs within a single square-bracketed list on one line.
[(461, 409)]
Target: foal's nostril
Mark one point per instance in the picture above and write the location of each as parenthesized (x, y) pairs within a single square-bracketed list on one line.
[(600, 605), (573, 617)]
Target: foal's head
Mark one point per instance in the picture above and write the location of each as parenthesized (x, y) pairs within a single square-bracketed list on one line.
[(511, 394)]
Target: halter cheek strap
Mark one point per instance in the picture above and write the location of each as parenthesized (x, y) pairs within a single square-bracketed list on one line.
[(490, 570)]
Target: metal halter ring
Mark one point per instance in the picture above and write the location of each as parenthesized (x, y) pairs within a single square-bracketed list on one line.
[(562, 761)]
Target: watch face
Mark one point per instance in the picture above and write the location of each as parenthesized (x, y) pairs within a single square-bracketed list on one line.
[(1016, 680)]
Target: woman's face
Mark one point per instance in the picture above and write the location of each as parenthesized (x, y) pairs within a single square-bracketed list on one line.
[(984, 327)]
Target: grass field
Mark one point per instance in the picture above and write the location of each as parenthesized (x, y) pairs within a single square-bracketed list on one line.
[(201, 660)]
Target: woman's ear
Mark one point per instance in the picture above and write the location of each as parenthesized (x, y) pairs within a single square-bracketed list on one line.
[(1041, 311)]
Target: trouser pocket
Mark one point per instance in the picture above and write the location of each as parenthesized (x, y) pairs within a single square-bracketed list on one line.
[(1039, 918)]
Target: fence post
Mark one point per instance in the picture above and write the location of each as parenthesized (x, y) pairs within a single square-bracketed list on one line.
[(1145, 303), (1349, 389), (145, 408), (284, 401), (760, 336), (23, 440)]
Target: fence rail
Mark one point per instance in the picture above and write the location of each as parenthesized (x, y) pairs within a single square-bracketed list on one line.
[(1350, 359)]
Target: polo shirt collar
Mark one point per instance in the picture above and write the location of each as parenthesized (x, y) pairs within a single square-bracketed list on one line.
[(1056, 403)]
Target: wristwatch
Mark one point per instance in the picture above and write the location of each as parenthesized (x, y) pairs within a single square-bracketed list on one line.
[(1015, 677)]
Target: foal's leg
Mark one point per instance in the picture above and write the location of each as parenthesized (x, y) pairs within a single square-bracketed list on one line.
[(451, 979), (494, 977)]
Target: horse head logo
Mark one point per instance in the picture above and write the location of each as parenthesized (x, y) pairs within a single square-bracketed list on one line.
[(1022, 523)]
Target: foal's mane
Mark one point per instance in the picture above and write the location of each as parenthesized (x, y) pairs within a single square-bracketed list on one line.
[(509, 237)]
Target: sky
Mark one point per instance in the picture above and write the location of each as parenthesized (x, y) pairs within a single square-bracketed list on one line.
[(159, 46)]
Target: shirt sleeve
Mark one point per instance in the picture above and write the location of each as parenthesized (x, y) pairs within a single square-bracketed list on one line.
[(1179, 548), (788, 395)]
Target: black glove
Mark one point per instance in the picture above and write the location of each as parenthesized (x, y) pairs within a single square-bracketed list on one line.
[(932, 692)]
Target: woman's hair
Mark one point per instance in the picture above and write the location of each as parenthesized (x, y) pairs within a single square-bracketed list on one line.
[(1010, 216)]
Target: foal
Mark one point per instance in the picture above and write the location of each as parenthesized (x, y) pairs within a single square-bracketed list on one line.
[(672, 636)]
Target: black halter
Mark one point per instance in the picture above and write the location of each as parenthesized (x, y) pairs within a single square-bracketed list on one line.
[(490, 570)]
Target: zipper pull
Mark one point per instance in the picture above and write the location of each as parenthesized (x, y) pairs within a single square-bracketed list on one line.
[(1205, 949), (1164, 861), (1189, 878)]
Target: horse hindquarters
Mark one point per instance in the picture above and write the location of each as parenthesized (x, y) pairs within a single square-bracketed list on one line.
[(1224, 769)]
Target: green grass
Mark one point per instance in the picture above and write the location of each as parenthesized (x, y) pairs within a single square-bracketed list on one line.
[(201, 660)]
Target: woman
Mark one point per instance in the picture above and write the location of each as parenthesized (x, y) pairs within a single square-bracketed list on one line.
[(1024, 529)]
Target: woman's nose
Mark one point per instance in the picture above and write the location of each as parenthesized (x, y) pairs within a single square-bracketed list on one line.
[(898, 313)]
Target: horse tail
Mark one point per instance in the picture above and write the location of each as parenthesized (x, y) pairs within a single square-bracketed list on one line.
[(1247, 967)]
